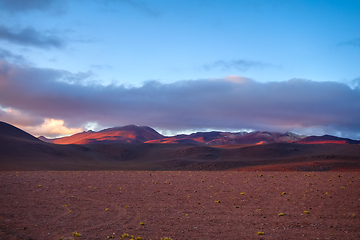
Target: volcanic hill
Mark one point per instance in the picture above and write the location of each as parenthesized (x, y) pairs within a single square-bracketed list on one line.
[(126, 134)]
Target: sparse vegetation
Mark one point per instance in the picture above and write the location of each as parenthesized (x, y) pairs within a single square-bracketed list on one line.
[(191, 204), (76, 234), (125, 235)]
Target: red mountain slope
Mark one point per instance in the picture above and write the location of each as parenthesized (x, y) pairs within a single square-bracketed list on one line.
[(126, 134)]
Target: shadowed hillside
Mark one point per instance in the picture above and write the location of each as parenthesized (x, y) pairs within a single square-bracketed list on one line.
[(327, 139)]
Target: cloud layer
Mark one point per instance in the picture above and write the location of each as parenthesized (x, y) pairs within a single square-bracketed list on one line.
[(24, 6), (230, 103), (30, 37)]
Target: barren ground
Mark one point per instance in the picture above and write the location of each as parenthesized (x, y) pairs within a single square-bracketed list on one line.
[(180, 205)]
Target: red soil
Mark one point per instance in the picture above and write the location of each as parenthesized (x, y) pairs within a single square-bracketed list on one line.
[(180, 205)]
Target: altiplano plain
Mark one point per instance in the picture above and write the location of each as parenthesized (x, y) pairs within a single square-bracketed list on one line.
[(179, 205), (278, 190)]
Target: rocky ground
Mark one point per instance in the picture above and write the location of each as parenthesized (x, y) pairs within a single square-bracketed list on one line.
[(179, 205)]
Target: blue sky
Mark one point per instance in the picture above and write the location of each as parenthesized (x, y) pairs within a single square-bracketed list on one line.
[(88, 49)]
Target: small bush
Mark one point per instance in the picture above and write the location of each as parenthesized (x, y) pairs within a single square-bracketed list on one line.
[(125, 235), (76, 234)]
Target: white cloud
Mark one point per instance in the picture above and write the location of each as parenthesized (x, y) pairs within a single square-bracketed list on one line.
[(51, 128)]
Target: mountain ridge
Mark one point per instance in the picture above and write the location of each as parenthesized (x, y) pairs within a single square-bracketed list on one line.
[(21, 151), (144, 134)]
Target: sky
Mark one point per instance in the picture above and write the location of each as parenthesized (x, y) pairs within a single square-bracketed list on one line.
[(68, 66)]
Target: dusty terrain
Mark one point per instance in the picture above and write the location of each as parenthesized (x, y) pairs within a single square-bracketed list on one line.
[(179, 204)]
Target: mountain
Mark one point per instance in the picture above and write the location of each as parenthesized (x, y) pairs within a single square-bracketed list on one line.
[(20, 148), (326, 139), (228, 138), (137, 134), (143, 134), (10, 133), (21, 151), (126, 134)]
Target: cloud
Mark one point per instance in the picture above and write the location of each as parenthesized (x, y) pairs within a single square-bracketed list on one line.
[(21, 6), (229, 103), (31, 37), (356, 83), (11, 57), (18, 118), (60, 6), (353, 43), (239, 64), (37, 126), (51, 128)]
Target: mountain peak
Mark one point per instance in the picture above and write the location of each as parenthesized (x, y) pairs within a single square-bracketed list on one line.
[(125, 134)]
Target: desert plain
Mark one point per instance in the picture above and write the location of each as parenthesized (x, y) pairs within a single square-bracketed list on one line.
[(179, 205), (177, 191)]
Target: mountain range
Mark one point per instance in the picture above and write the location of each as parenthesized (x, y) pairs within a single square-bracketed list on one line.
[(144, 134), (142, 148)]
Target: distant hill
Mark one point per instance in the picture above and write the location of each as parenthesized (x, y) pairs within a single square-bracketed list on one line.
[(126, 134), (327, 139)]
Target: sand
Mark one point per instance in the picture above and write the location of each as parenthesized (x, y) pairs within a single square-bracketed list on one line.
[(179, 205)]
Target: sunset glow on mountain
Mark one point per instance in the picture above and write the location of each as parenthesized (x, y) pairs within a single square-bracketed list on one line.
[(180, 66)]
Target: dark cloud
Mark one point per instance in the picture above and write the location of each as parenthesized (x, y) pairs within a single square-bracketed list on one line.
[(239, 64), (60, 6), (31, 37), (22, 6), (229, 103), (353, 43), (11, 57)]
